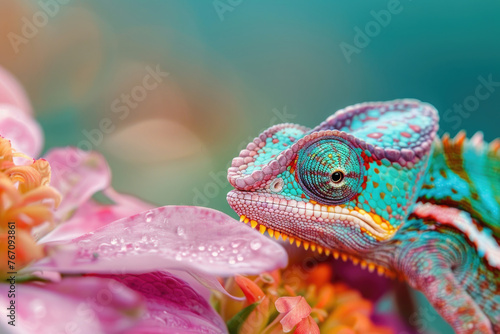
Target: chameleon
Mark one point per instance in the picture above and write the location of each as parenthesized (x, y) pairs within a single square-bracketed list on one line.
[(376, 185)]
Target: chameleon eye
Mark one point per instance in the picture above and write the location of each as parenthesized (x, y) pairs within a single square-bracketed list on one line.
[(330, 170), (337, 176)]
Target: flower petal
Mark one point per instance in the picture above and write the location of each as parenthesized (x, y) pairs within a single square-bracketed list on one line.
[(26, 251), (77, 175), (11, 92), (307, 326), (172, 305), (83, 304), (295, 309), (174, 237), (24, 132), (91, 215), (252, 291)]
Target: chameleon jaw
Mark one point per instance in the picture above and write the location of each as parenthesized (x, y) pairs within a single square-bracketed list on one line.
[(370, 266), (260, 205)]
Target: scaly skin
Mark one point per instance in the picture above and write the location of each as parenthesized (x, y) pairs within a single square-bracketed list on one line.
[(373, 184)]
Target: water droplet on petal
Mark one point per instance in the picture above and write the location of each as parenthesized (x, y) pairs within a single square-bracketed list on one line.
[(255, 244), (84, 243), (240, 257), (38, 308), (105, 247), (149, 216), (114, 241), (180, 231), (232, 260), (201, 248), (178, 257), (215, 253)]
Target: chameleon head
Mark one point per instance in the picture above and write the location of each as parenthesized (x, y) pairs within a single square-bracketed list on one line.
[(347, 184)]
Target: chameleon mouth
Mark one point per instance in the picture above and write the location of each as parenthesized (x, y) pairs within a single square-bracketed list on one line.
[(262, 206), (370, 266)]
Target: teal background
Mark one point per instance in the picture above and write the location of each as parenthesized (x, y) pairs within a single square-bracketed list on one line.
[(235, 74)]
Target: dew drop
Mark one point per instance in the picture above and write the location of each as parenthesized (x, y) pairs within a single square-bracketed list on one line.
[(38, 308), (180, 231), (255, 244), (240, 257), (105, 247), (114, 241), (232, 260), (201, 248), (84, 243), (178, 257), (235, 244), (215, 253), (149, 216)]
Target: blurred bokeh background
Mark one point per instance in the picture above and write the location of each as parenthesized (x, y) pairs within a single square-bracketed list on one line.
[(170, 91)]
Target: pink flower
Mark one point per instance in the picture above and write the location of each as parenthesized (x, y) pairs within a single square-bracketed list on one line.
[(296, 312), (120, 267)]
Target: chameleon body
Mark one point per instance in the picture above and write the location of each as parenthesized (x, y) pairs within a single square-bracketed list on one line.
[(374, 184)]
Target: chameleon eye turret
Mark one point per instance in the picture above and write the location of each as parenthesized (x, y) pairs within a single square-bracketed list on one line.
[(330, 170)]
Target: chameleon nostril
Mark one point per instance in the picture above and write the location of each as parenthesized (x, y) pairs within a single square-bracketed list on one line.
[(276, 185)]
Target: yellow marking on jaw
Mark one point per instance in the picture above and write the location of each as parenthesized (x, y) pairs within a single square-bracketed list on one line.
[(320, 249), (385, 225)]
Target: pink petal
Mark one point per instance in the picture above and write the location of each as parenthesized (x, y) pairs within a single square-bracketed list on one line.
[(11, 92), (77, 175), (173, 306), (170, 237), (76, 304), (91, 215), (307, 326), (23, 131), (295, 308)]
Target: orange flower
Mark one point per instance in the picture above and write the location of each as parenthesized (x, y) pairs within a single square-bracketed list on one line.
[(298, 301), (26, 202)]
